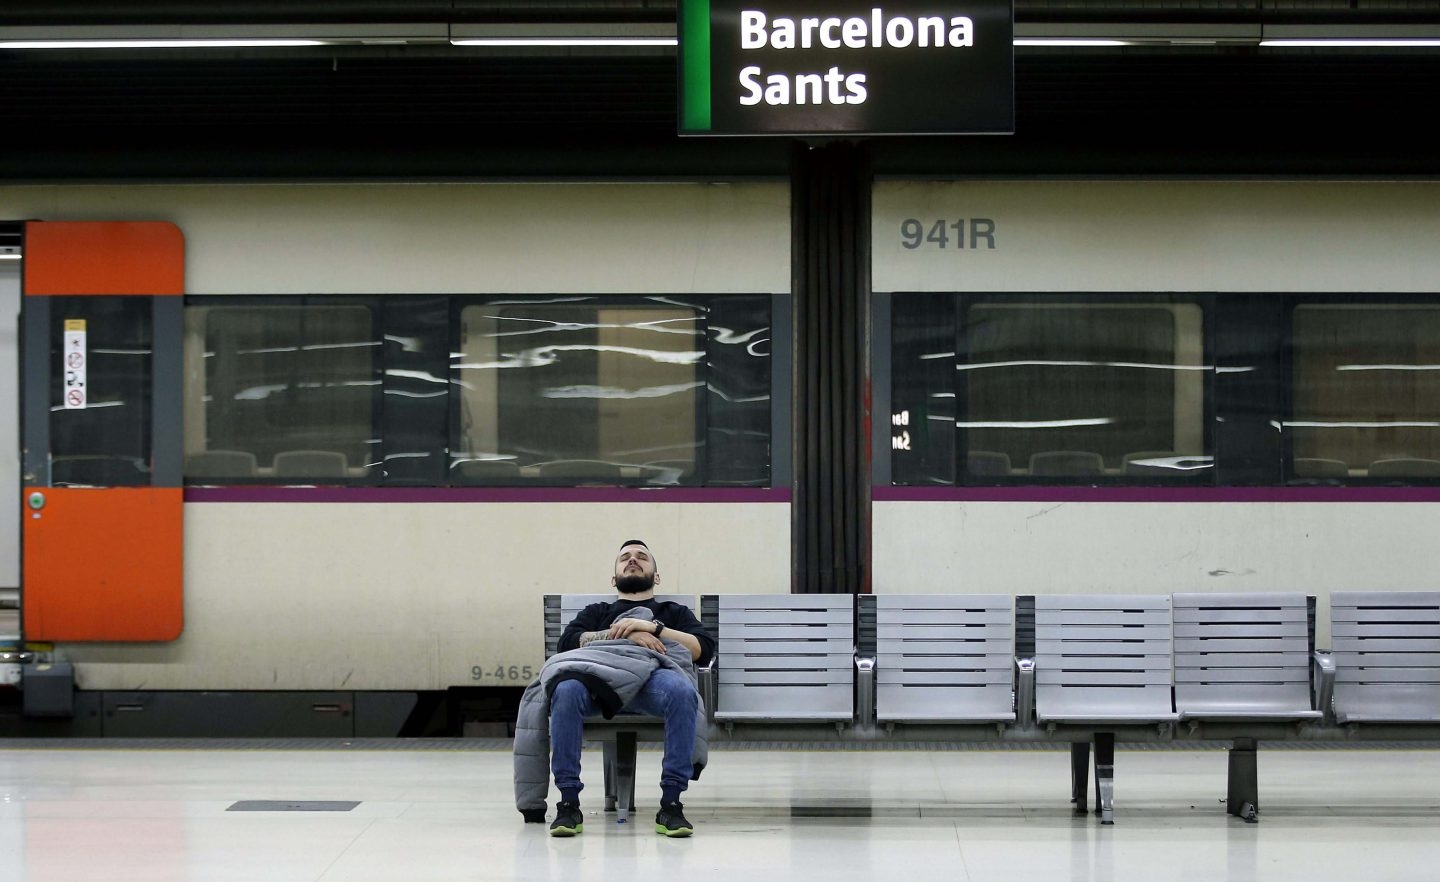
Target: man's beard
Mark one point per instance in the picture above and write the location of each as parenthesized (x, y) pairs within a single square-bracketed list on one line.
[(634, 584)]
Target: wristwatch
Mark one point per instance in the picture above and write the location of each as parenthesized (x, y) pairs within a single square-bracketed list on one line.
[(659, 627)]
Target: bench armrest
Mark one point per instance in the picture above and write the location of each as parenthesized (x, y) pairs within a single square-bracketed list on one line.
[(708, 678), (864, 691), (1024, 692), (1325, 685)]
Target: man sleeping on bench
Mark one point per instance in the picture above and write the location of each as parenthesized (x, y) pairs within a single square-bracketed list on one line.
[(636, 655)]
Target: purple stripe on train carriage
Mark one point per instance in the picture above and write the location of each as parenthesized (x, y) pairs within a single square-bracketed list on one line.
[(1156, 494), (486, 494)]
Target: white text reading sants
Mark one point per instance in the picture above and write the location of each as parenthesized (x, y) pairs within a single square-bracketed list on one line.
[(835, 86)]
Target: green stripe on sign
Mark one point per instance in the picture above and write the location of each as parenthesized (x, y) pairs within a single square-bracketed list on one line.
[(695, 65)]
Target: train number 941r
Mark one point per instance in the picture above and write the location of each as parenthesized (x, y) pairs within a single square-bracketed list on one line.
[(948, 234)]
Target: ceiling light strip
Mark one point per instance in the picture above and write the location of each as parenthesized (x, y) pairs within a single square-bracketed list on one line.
[(156, 44), (1069, 41), (1344, 43), (565, 41)]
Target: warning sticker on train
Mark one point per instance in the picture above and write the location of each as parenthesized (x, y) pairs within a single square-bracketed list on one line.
[(846, 67), (74, 347)]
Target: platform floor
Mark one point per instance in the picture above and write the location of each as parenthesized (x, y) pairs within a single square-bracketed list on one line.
[(445, 811)]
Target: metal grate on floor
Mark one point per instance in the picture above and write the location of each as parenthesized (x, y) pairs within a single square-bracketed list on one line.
[(292, 805)]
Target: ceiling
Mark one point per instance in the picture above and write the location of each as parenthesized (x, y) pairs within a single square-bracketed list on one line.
[(385, 94)]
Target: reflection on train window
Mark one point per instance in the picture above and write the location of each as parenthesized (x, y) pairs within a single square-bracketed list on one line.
[(922, 390), (997, 389), (281, 393), (1082, 391), (579, 393), (1366, 394)]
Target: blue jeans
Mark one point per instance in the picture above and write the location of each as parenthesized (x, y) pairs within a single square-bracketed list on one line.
[(667, 694)]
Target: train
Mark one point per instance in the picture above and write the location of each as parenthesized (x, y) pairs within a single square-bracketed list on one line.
[(400, 414)]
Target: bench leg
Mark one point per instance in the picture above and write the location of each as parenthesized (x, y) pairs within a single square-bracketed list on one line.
[(609, 752), (1243, 792), (1105, 776), (1079, 775), (624, 776)]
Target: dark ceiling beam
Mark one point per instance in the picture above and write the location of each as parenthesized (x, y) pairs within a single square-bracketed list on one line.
[(70, 13), (37, 13), (1101, 113)]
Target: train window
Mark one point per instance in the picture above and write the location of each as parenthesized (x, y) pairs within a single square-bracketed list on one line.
[(922, 397), (575, 391), (281, 393), (1366, 392), (107, 442), (1048, 388), (1083, 390)]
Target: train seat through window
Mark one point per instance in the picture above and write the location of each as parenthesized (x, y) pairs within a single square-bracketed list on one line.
[(472, 472), (1067, 463), (581, 470), (311, 464), (1309, 467), (987, 463), (1405, 468), (220, 464)]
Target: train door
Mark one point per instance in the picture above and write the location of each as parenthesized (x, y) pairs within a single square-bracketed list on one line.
[(101, 504)]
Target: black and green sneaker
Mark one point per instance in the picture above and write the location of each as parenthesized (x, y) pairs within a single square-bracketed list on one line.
[(568, 820), (671, 821)]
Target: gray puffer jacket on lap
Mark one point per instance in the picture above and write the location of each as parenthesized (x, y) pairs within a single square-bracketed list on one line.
[(619, 666)]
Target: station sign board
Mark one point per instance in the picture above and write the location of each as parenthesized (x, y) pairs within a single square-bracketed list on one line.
[(846, 67)]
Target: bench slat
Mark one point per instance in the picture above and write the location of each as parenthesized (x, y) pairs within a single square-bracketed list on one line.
[(816, 618), (1239, 660), (1237, 616), (945, 601), (1100, 679), (1384, 644), (1102, 617), (1102, 601), (1002, 660), (1239, 599), (1230, 676), (948, 647), (1253, 645), (801, 677), (1386, 659), (1296, 629), (933, 631), (956, 704), (785, 601), (1418, 630), (1107, 705), (730, 661), (1421, 615), (944, 678), (1379, 674)]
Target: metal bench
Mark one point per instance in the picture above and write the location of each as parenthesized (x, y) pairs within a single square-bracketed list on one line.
[(1386, 650), (1244, 658), (782, 658), (1239, 667), (618, 736), (943, 658), (1102, 661)]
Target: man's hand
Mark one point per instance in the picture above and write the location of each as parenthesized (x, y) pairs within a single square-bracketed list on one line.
[(627, 627), (647, 640)]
